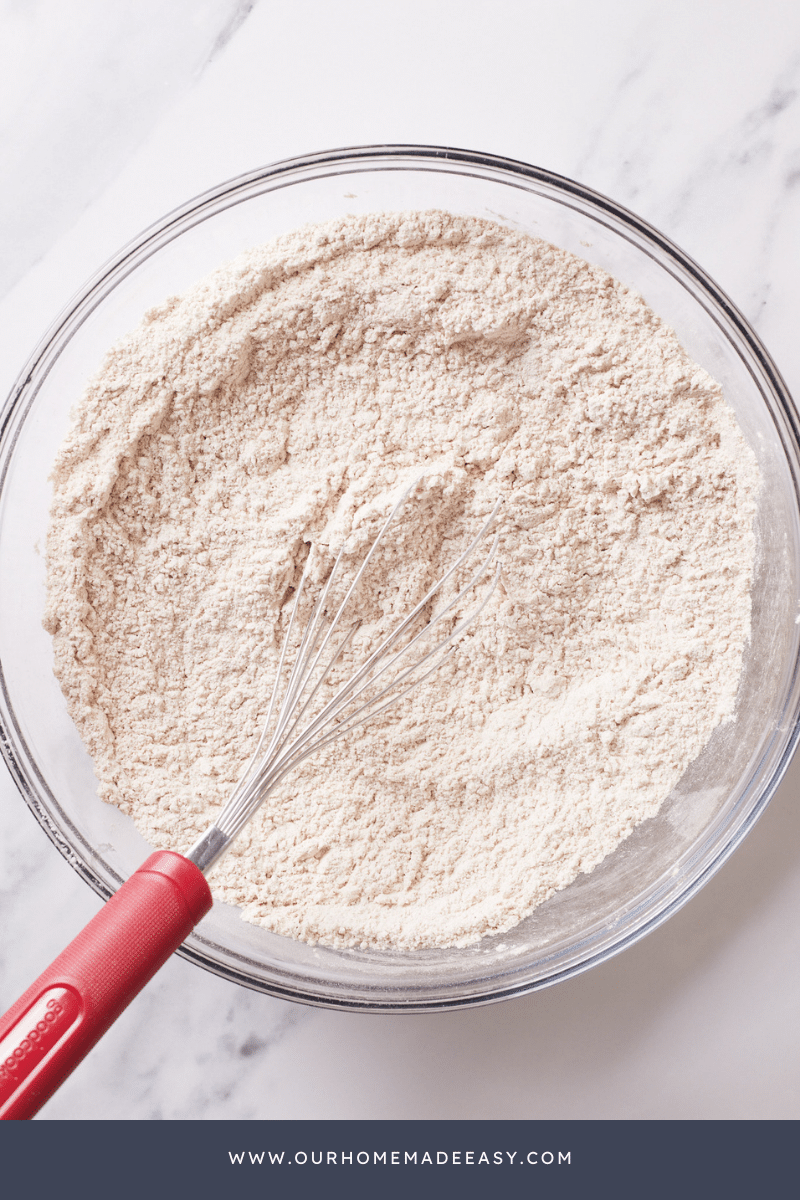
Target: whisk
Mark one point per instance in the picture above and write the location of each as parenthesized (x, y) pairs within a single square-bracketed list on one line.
[(70, 1006)]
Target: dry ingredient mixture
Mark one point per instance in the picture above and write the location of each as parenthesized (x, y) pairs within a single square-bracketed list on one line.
[(285, 400)]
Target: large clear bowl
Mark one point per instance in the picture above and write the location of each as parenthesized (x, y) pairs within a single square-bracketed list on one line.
[(722, 793)]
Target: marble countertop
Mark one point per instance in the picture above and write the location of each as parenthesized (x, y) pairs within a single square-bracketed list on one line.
[(687, 113)]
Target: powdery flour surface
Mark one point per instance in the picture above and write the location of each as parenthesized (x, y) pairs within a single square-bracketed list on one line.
[(285, 400)]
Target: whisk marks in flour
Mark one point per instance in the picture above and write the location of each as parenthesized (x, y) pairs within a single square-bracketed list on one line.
[(282, 401)]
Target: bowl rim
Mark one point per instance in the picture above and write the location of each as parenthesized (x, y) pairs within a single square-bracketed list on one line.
[(389, 156)]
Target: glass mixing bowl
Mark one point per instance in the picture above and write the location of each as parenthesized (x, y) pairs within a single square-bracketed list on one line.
[(722, 793)]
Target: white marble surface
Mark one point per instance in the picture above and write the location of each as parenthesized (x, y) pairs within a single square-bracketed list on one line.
[(687, 112)]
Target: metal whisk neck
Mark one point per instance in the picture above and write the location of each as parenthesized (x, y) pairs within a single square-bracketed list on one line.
[(292, 731)]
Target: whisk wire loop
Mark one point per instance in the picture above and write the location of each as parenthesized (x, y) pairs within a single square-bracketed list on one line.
[(291, 760), (347, 695), (291, 743)]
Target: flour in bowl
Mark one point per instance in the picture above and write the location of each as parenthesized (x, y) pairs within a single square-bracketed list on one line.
[(285, 400)]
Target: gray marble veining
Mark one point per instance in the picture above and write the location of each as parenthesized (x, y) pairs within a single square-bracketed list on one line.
[(82, 86), (689, 117)]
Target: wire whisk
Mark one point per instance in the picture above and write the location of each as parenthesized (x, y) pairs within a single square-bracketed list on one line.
[(292, 731), (64, 1012)]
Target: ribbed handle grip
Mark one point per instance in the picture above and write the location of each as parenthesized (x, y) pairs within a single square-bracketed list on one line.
[(67, 1010)]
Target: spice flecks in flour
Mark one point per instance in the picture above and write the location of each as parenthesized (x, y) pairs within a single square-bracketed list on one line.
[(283, 401)]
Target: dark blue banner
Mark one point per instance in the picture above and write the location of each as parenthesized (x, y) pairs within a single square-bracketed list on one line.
[(390, 1159)]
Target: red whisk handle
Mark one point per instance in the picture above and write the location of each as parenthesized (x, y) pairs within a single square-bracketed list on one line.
[(56, 1022)]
